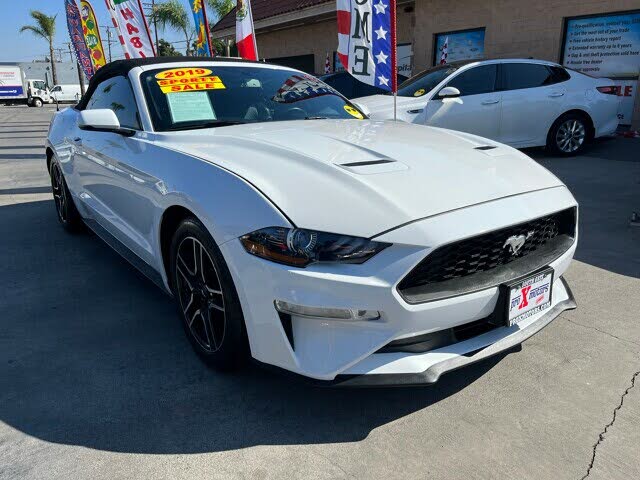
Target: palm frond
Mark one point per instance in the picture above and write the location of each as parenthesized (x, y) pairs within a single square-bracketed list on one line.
[(44, 27), (171, 13), (220, 8), (35, 30)]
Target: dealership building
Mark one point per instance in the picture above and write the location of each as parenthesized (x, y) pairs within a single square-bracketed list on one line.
[(598, 37)]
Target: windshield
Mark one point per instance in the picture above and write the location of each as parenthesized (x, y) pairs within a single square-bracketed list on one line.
[(208, 95), (39, 84), (424, 82)]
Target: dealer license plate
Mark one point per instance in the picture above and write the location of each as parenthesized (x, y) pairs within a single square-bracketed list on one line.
[(529, 296)]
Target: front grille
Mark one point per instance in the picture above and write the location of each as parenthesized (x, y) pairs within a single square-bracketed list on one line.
[(454, 264)]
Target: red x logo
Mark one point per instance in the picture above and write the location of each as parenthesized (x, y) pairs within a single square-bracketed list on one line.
[(525, 294)]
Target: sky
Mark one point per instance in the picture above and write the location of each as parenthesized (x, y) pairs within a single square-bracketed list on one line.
[(26, 47)]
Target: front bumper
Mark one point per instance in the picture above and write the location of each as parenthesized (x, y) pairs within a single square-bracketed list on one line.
[(433, 373), (348, 352)]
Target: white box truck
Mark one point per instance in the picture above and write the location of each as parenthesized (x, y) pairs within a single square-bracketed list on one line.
[(16, 88)]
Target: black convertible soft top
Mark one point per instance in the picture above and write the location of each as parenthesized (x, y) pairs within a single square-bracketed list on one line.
[(121, 67)]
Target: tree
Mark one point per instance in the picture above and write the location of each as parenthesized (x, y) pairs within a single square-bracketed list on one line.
[(173, 13), (165, 49), (220, 8), (45, 27)]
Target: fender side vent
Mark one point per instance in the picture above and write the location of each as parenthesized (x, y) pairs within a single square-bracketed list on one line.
[(486, 147), (287, 326), (365, 163)]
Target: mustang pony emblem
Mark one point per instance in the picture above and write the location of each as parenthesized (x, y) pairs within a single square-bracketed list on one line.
[(516, 242)]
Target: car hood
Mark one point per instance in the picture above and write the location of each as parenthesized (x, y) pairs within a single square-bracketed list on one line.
[(364, 177)]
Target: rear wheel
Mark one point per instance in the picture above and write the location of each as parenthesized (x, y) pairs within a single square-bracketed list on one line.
[(68, 215), (569, 135), (207, 298)]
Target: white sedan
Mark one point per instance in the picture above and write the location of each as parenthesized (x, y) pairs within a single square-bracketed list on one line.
[(523, 103), (291, 229)]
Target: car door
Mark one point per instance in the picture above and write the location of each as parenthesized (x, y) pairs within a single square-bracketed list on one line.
[(118, 196), (476, 110), (532, 98)]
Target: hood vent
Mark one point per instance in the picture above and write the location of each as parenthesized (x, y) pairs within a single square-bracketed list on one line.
[(366, 163), (486, 147)]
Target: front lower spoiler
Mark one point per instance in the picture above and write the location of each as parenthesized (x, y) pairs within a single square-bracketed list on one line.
[(433, 373)]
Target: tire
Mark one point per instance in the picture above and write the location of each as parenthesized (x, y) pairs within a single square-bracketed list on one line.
[(68, 215), (207, 299), (37, 102), (569, 135)]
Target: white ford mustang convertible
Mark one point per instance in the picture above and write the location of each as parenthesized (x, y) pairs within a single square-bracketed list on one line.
[(292, 229)]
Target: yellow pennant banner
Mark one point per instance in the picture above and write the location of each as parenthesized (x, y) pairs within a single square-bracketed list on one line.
[(91, 33)]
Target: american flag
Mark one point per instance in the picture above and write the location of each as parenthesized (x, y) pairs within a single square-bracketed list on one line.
[(366, 40), (445, 51)]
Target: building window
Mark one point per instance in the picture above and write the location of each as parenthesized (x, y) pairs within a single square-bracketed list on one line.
[(460, 45)]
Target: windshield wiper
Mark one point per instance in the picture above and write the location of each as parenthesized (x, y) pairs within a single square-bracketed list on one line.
[(212, 124), (316, 118)]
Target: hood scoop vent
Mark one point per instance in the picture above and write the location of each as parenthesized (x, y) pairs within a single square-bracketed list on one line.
[(486, 147), (370, 167), (367, 162)]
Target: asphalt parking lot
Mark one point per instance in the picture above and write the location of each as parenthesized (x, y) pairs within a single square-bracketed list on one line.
[(97, 379)]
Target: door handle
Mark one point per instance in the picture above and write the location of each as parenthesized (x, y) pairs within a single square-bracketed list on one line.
[(490, 102), (77, 140), (556, 94)]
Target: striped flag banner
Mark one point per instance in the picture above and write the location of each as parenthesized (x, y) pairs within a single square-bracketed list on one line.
[(245, 34), (367, 41), (131, 24)]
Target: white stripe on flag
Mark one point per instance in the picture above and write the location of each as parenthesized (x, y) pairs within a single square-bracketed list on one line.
[(343, 44), (343, 5)]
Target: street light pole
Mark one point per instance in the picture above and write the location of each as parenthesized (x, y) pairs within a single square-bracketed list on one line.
[(109, 42), (155, 24), (80, 79)]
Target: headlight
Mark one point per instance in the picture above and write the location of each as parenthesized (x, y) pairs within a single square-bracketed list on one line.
[(299, 247)]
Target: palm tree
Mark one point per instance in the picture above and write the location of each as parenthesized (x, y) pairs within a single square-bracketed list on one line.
[(45, 27), (174, 14), (221, 7)]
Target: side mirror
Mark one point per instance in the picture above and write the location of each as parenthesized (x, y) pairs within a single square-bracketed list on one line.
[(102, 120), (449, 92), (363, 108)]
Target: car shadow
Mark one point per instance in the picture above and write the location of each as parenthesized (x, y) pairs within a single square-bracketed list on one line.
[(93, 354), (605, 181)]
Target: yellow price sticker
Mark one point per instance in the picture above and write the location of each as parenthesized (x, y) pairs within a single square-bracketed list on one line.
[(183, 73), (354, 112), (419, 92), (190, 84)]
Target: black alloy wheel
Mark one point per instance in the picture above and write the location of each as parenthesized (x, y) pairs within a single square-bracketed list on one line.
[(207, 298), (68, 215)]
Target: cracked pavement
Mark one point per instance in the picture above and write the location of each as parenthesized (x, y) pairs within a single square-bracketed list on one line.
[(98, 381)]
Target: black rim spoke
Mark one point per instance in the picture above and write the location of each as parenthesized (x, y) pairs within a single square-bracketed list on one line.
[(59, 194)]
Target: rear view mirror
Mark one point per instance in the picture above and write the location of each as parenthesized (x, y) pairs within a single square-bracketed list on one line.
[(449, 92), (363, 108), (102, 120)]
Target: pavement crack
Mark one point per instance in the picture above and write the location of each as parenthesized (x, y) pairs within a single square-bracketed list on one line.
[(601, 435), (626, 340)]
